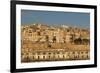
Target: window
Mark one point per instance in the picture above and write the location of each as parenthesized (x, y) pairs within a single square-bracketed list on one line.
[(38, 33), (58, 52), (88, 56), (82, 56), (30, 31), (44, 53), (86, 52), (43, 57), (49, 53), (73, 52), (38, 57), (63, 56), (82, 52), (33, 57), (49, 57)]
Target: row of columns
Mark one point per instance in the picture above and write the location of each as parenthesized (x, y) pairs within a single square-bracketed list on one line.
[(43, 56)]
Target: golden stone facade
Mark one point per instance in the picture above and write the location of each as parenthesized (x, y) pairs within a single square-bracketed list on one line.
[(40, 42)]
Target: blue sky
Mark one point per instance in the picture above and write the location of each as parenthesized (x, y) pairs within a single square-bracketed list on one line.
[(53, 17)]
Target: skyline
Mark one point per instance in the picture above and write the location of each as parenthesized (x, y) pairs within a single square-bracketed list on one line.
[(55, 18)]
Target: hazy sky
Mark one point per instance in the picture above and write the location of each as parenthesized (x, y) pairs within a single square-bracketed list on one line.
[(53, 17)]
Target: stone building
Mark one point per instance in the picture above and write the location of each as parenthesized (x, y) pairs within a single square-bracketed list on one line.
[(56, 54), (44, 43)]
